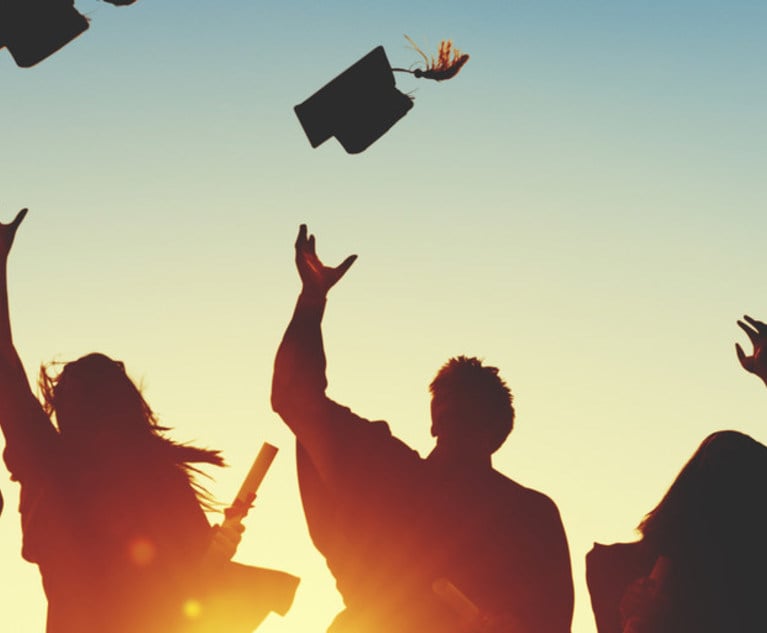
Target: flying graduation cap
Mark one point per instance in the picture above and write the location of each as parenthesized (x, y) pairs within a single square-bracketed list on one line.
[(362, 103), (35, 29)]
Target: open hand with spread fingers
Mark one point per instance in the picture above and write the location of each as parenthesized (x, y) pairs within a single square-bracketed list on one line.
[(317, 278), (757, 333)]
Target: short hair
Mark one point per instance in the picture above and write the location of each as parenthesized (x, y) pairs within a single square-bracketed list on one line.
[(479, 395)]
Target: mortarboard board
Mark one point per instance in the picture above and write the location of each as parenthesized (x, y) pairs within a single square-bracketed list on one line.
[(357, 107), (34, 29)]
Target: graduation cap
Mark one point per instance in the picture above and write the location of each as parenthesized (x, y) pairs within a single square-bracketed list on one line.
[(360, 105), (34, 29), (357, 107)]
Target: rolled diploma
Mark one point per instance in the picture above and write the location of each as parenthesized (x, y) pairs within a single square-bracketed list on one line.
[(243, 500), (252, 481), (257, 472)]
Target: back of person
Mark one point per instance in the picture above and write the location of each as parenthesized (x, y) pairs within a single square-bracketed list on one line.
[(703, 550), (115, 544), (503, 546), (389, 536)]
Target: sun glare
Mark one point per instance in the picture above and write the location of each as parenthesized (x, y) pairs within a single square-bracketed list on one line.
[(141, 551)]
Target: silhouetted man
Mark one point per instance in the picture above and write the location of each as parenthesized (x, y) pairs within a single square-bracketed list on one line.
[(392, 525)]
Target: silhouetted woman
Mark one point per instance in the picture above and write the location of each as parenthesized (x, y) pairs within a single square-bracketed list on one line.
[(701, 565), (710, 536), (109, 511)]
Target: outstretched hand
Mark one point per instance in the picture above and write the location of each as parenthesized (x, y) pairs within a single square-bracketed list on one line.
[(757, 333), (8, 232), (317, 278)]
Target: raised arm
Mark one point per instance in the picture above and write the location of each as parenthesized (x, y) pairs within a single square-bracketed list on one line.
[(298, 385), (11, 364), (757, 333), (29, 434)]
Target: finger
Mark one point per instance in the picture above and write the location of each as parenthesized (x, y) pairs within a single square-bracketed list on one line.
[(19, 217), (311, 246), (761, 327), (345, 265), (741, 354), (754, 336), (301, 239), (222, 547), (747, 362)]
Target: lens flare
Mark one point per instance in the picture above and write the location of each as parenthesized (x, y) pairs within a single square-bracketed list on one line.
[(192, 609), (141, 551)]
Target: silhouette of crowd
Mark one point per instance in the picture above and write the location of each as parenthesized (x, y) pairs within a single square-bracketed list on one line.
[(114, 517)]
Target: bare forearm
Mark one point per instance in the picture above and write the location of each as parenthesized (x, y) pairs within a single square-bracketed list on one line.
[(298, 386), (15, 394), (27, 429), (6, 340), (299, 368), (8, 355)]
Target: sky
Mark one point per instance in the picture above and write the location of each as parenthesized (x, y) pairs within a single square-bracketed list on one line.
[(582, 207)]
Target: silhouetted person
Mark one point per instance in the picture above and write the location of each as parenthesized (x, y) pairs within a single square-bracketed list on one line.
[(700, 564), (109, 509), (390, 523)]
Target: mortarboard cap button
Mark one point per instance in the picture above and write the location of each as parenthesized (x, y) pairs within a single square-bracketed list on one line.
[(357, 107), (34, 29)]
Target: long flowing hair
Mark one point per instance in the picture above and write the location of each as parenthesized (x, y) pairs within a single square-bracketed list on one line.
[(93, 396), (717, 499)]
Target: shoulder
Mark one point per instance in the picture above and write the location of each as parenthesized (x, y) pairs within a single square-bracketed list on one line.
[(610, 570), (375, 439), (618, 563), (534, 501), (375, 434)]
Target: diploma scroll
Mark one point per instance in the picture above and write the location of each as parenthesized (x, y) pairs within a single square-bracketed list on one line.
[(230, 596), (247, 493)]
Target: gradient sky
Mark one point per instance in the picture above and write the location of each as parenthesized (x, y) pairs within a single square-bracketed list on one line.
[(583, 207)]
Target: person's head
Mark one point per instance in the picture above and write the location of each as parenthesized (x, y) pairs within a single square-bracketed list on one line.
[(93, 399), (93, 395), (717, 499), (471, 406)]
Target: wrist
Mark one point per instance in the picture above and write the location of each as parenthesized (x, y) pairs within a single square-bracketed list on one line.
[(312, 297)]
